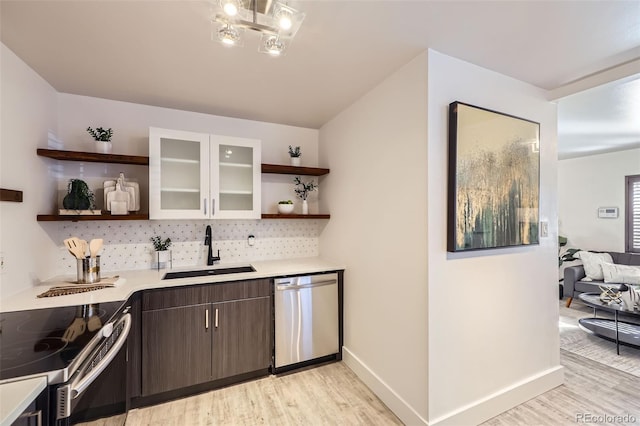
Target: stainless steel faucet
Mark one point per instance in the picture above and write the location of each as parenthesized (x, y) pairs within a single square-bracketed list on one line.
[(208, 242)]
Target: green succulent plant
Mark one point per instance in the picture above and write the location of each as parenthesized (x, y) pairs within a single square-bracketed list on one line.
[(159, 244), (100, 134), (294, 152)]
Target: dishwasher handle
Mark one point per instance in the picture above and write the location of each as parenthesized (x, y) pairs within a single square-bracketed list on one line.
[(287, 285)]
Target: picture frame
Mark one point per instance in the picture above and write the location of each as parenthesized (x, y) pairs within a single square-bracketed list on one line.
[(493, 179)]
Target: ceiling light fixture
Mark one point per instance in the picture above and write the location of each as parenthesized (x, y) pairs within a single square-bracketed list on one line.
[(228, 35), (277, 22)]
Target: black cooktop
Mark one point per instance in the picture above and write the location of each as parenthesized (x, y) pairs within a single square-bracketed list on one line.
[(44, 340)]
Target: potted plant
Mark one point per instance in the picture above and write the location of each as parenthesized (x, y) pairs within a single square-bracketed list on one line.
[(79, 196), (102, 139), (285, 207), (295, 155), (162, 252), (302, 190)]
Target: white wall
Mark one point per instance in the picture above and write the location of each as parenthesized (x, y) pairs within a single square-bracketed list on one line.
[(584, 185), (27, 116), (493, 334), (34, 116), (441, 338), (377, 195), (131, 124)]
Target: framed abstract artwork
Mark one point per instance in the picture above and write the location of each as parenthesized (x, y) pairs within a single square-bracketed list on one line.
[(494, 179)]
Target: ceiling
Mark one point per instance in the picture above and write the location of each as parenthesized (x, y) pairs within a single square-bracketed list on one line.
[(160, 52), (599, 120)]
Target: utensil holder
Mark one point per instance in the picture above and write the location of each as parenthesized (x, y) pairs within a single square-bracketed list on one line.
[(89, 270)]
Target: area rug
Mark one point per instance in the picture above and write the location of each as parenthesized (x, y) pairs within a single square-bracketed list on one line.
[(579, 342)]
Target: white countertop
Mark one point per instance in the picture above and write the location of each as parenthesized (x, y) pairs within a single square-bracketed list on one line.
[(132, 281), (16, 396)]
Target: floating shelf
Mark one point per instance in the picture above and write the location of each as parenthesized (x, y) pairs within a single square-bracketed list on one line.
[(93, 157), (295, 216), (293, 170), (10, 195), (76, 218)]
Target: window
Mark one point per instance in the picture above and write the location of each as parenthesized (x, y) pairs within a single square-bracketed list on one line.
[(633, 214)]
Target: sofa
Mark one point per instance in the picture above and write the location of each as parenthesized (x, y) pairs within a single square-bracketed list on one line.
[(573, 276)]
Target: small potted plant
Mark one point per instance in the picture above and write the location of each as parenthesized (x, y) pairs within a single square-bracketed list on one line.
[(102, 139), (302, 190), (285, 207), (162, 252), (295, 155)]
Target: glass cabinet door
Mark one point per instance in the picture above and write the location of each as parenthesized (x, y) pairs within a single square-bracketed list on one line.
[(178, 174), (235, 177)]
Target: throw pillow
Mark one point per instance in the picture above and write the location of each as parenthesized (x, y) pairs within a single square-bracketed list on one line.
[(592, 263), (621, 274)]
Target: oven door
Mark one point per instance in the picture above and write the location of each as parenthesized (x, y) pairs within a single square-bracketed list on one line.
[(87, 367)]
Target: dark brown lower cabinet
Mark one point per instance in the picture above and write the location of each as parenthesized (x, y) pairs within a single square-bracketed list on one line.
[(241, 340), (176, 348), (185, 343)]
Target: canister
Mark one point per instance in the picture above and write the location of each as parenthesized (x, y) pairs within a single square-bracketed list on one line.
[(89, 270)]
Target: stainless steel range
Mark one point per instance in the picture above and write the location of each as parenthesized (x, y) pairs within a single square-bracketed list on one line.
[(70, 345)]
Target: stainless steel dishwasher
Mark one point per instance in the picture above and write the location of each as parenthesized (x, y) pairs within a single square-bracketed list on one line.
[(306, 318)]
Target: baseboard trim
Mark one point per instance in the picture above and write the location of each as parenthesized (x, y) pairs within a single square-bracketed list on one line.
[(503, 400), (387, 395), (470, 414)]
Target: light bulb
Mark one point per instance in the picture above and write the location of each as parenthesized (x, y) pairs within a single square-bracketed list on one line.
[(230, 8), (285, 20), (273, 46), (228, 35)]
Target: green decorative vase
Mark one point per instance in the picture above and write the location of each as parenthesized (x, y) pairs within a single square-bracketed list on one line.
[(77, 198)]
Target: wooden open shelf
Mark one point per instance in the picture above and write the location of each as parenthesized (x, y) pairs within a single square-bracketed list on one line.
[(293, 170), (294, 216), (93, 157), (75, 218), (10, 195)]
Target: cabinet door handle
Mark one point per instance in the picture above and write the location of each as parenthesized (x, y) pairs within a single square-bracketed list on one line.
[(213, 206), (205, 206), (206, 319), (215, 321)]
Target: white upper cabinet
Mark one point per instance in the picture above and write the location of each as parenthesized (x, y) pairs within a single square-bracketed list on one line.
[(202, 176), (235, 177)]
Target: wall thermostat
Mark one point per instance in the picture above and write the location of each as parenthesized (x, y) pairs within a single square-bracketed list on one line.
[(608, 212)]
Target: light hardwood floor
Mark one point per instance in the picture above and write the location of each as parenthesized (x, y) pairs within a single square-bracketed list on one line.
[(590, 388), (332, 395)]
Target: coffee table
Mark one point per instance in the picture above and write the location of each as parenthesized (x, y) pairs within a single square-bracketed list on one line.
[(627, 333)]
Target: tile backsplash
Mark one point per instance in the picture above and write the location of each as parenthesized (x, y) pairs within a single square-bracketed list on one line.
[(127, 244)]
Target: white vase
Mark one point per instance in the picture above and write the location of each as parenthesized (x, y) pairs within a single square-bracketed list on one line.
[(295, 161), (103, 147), (305, 207), (162, 259)]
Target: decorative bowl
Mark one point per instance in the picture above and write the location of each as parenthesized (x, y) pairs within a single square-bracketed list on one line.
[(285, 208)]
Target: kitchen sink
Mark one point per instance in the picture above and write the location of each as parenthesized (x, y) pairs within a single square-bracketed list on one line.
[(208, 272)]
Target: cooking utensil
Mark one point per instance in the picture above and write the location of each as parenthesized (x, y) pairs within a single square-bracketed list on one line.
[(85, 247), (75, 329), (73, 245), (94, 323), (95, 246)]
